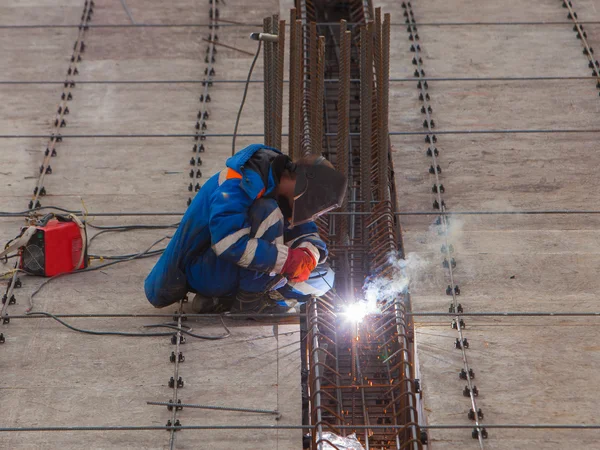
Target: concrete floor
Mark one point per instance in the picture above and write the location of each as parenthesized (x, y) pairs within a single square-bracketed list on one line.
[(53, 376), (528, 370), (532, 370)]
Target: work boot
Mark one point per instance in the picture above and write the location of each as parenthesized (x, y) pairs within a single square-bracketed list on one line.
[(257, 303), (211, 305)]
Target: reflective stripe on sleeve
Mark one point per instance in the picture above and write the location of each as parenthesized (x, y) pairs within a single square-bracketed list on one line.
[(282, 254), (229, 240), (249, 253), (272, 219)]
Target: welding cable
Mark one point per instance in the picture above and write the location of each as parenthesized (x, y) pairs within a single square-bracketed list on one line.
[(39, 208), (333, 290), (100, 233), (239, 114), (90, 269), (99, 333), (198, 336), (11, 272), (187, 330), (122, 257), (119, 228), (133, 227), (7, 246)]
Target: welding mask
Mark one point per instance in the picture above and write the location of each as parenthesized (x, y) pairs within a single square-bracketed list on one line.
[(319, 189)]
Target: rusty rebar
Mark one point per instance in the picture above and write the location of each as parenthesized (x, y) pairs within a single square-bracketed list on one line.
[(268, 80), (366, 93), (318, 77), (343, 121), (294, 85), (279, 55), (384, 140), (378, 181), (309, 96)]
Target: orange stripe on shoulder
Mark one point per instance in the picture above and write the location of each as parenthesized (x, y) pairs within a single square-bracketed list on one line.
[(233, 174), (261, 193)]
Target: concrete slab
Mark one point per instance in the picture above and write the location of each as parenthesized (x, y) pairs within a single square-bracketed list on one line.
[(473, 11), (542, 168), (499, 51), (40, 12), (56, 376), (27, 106), (524, 366), (36, 54)]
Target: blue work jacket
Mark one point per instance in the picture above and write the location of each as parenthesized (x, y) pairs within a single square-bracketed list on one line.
[(217, 221)]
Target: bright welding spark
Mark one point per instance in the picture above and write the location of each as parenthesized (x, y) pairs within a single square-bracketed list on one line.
[(356, 312)]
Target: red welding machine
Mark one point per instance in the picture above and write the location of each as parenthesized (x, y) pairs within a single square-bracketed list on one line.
[(55, 246)]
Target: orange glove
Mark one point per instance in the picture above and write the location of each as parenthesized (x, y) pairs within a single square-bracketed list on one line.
[(299, 264)]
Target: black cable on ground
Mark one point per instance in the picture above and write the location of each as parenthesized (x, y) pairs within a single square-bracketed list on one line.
[(145, 254), (187, 331), (98, 333), (132, 227), (122, 257), (91, 269), (198, 336), (29, 211), (120, 228)]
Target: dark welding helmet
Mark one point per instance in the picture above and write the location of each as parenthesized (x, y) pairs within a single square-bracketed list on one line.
[(319, 189)]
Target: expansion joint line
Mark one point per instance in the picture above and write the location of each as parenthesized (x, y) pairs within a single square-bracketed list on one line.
[(203, 114), (582, 36), (9, 298), (63, 106), (449, 262), (176, 382), (55, 137)]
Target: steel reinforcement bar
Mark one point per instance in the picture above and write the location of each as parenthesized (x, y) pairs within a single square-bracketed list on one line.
[(359, 374)]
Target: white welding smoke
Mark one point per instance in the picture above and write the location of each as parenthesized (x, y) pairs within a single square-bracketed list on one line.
[(420, 270), (380, 289)]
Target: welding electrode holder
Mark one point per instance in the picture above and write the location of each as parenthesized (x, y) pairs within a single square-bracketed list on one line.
[(267, 37)]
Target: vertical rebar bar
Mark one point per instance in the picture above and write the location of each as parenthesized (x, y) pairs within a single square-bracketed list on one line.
[(309, 94), (378, 93), (318, 77), (305, 61), (295, 55), (384, 142), (268, 82), (279, 55), (366, 93), (407, 375), (376, 52), (314, 336), (343, 123)]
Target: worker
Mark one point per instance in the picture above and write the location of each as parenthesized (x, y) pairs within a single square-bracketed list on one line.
[(248, 242)]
